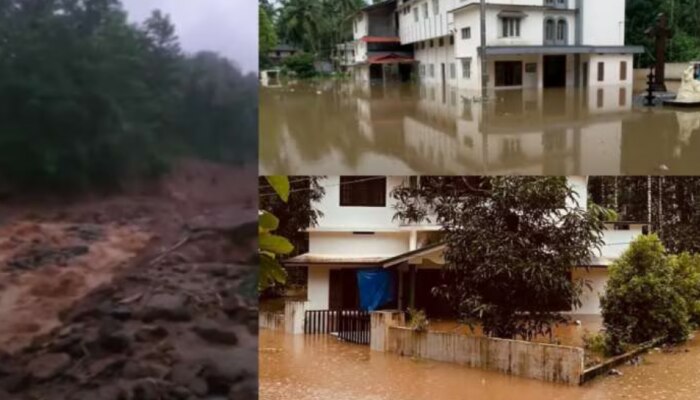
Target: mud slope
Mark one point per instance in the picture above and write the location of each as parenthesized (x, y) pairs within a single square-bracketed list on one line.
[(143, 295)]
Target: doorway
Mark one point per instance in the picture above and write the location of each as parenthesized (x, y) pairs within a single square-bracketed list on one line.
[(376, 72), (554, 71), (509, 73), (585, 75)]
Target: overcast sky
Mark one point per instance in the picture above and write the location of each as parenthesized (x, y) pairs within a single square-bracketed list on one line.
[(229, 27)]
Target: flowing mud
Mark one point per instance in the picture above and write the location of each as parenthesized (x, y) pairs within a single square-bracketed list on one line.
[(44, 268), (343, 128), (306, 367), (146, 294)]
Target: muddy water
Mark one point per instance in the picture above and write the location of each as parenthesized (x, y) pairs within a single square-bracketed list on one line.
[(310, 368), (32, 296), (346, 128)]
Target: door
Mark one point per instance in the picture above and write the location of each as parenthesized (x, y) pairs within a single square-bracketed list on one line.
[(509, 73), (585, 75), (554, 71)]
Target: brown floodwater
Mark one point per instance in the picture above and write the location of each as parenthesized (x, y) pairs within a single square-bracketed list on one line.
[(307, 367), (340, 127)]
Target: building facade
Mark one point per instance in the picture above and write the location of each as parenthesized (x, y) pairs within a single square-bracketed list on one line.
[(358, 232), (529, 43)]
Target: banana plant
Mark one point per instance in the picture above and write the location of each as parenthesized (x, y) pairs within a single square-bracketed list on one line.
[(272, 246)]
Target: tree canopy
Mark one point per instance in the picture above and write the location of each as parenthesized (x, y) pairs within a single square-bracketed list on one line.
[(316, 26), (511, 245), (88, 99), (684, 19)]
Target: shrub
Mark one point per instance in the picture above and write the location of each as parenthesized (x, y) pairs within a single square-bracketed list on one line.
[(686, 270), (417, 320), (642, 301), (302, 64)]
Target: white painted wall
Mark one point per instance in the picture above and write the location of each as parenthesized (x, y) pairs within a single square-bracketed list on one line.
[(318, 287), (613, 64), (379, 244), (603, 22), (355, 218), (361, 26), (590, 299)]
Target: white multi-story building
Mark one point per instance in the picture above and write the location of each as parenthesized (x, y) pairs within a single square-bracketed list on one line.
[(358, 232), (529, 43)]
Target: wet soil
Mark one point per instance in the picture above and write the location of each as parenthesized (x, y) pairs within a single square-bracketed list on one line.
[(145, 294)]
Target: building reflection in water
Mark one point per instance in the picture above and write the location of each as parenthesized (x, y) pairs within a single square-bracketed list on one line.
[(350, 128)]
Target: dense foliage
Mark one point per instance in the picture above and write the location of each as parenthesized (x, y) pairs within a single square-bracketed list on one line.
[(644, 297), (511, 244), (88, 99), (267, 37), (684, 19), (670, 204), (316, 26), (301, 64)]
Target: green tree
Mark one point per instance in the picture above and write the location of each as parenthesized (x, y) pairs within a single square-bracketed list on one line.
[(686, 272), (267, 36), (511, 245), (641, 301)]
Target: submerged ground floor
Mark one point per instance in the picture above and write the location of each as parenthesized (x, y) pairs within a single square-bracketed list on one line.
[(507, 68), (290, 368)]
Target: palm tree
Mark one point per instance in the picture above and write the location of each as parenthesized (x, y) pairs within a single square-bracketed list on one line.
[(299, 22)]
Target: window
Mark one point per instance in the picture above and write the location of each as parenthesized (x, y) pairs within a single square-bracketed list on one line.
[(415, 14), (452, 40), (466, 33), (511, 27), (425, 10), (441, 42), (363, 191), (561, 30), (422, 70), (601, 71), (467, 68), (453, 71), (549, 30), (436, 7), (431, 43), (623, 70), (600, 98), (622, 97), (431, 68)]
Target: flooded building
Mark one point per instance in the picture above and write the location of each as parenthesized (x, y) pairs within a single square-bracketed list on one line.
[(529, 43), (357, 239), (281, 52), (380, 54)]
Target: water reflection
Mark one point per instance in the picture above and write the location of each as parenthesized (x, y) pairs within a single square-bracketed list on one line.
[(320, 367), (342, 128)]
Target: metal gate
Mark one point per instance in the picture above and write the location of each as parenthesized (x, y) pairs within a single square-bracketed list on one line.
[(349, 325)]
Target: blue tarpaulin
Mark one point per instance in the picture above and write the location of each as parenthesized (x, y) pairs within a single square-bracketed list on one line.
[(376, 287)]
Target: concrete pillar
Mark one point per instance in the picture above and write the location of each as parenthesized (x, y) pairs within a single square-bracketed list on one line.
[(294, 315), (381, 321)]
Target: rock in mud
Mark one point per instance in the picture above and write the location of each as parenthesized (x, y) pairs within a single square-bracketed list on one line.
[(170, 307), (48, 366), (136, 369), (149, 333), (213, 332)]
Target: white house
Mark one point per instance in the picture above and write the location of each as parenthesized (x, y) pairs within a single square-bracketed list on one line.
[(529, 43), (358, 232)]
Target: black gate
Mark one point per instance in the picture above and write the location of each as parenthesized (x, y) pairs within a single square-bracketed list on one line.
[(354, 327), (350, 325)]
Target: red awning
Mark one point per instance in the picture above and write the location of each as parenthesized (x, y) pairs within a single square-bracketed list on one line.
[(381, 39), (390, 59)]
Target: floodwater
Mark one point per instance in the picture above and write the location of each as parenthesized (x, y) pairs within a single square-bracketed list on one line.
[(304, 367), (345, 128)]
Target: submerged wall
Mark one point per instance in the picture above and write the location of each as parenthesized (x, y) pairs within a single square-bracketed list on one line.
[(546, 362), (270, 320)]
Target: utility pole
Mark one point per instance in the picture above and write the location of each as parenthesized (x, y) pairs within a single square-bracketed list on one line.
[(484, 64)]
